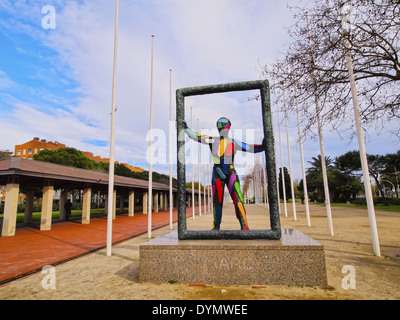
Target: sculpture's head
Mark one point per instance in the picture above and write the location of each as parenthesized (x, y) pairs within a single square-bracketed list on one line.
[(223, 125)]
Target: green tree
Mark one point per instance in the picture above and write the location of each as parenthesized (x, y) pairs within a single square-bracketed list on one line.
[(391, 172), (288, 189), (345, 186), (5, 154), (348, 175), (121, 170), (195, 186), (376, 163), (315, 182), (349, 163), (70, 157), (380, 167)]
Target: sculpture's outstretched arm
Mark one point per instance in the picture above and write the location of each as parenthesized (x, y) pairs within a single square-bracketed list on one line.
[(252, 148), (195, 136)]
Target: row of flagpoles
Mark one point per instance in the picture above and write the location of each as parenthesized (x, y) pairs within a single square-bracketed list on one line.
[(361, 144), (112, 148), (368, 191)]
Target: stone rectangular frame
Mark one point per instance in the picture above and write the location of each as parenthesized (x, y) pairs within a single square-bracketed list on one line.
[(275, 232)]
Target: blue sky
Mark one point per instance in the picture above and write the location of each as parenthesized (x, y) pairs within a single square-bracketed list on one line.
[(56, 83)]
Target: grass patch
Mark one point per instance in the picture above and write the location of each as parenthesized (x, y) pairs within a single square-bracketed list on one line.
[(390, 208)]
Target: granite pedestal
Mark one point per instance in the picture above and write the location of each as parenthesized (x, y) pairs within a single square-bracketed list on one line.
[(295, 259)]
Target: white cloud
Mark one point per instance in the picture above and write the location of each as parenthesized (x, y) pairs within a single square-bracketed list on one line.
[(204, 42), (225, 39), (5, 81)]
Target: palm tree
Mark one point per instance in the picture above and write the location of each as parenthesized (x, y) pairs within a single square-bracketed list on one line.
[(314, 175), (316, 165)]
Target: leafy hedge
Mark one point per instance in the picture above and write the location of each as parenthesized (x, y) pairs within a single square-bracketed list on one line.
[(380, 200)]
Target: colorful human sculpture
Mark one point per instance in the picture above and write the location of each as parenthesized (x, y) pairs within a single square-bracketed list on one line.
[(223, 150)]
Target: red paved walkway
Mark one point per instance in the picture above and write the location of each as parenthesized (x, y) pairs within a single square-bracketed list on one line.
[(31, 249)]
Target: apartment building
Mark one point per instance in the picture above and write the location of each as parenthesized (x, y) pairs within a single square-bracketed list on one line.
[(95, 158), (132, 168), (28, 149)]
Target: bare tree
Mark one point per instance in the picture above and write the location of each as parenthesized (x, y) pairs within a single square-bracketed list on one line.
[(254, 174), (315, 62)]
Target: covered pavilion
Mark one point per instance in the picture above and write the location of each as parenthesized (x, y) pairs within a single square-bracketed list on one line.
[(17, 173)]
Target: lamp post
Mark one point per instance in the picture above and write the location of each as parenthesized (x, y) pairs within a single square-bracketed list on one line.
[(394, 188)]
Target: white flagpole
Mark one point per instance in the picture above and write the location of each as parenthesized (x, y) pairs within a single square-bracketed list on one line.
[(290, 158), (210, 167), (208, 185), (191, 152), (171, 200), (361, 144), (282, 170), (112, 142), (150, 190), (204, 187), (302, 161), (321, 143), (276, 172), (198, 156), (258, 185), (265, 183)]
